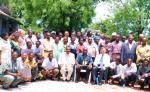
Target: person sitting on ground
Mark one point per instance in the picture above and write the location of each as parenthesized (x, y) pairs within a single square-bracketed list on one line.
[(66, 62), (84, 62), (50, 66), (130, 70), (31, 64), (142, 73), (118, 74)]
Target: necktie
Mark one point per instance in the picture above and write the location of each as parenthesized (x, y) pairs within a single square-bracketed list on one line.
[(101, 61)]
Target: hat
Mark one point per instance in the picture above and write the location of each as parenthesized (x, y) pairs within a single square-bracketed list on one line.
[(114, 34)]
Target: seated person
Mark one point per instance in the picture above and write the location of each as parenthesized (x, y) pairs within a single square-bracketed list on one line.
[(101, 65), (31, 64), (66, 62), (118, 74), (4, 78), (23, 68), (130, 70), (84, 62), (143, 72), (50, 66), (37, 49), (12, 69)]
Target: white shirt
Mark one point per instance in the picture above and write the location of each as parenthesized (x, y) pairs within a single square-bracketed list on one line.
[(130, 46), (130, 70), (32, 40), (106, 60), (5, 48), (67, 59), (47, 64), (119, 69)]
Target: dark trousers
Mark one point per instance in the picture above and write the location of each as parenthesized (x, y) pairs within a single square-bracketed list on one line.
[(79, 73), (130, 79), (146, 81), (121, 81)]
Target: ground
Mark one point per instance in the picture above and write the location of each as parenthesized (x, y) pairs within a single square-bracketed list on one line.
[(58, 86)]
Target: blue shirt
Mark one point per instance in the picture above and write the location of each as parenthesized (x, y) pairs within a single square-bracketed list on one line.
[(81, 58)]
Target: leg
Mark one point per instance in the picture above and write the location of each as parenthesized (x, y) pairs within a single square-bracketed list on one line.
[(94, 73), (63, 73), (56, 71), (78, 73), (16, 81), (70, 70), (7, 80)]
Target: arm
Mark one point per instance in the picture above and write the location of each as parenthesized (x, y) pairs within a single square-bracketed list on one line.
[(120, 72)]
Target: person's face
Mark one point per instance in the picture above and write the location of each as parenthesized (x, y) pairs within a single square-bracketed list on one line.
[(84, 51), (90, 40), (130, 39), (67, 50), (117, 38), (102, 50), (14, 55), (81, 41), (30, 33), (50, 56), (60, 35), (146, 63), (29, 44), (73, 39), (129, 62), (38, 44), (38, 36), (113, 37), (24, 56), (78, 34), (65, 40), (97, 41), (30, 56), (144, 41), (6, 37), (67, 34), (56, 39), (48, 35)]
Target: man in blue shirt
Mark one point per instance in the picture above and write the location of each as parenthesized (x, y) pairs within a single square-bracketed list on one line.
[(84, 64)]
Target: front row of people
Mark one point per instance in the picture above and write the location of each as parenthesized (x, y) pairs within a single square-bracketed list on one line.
[(30, 67)]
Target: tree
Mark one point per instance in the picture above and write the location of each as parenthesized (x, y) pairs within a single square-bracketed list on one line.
[(57, 15)]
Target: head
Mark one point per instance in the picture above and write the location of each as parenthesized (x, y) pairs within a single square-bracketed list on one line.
[(50, 55), (67, 49), (129, 62), (65, 40), (113, 37), (117, 38), (145, 62), (38, 35), (48, 35), (14, 55), (53, 34), (130, 38), (102, 50), (141, 36), (60, 35), (38, 43), (29, 45), (5, 36), (81, 41), (45, 31), (89, 34), (97, 38), (73, 38), (30, 32), (30, 56), (85, 50), (144, 42), (107, 40), (57, 39), (90, 40), (24, 56), (123, 38), (79, 34), (66, 34), (117, 61)]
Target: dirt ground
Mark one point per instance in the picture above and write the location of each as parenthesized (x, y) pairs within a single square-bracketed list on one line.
[(58, 86)]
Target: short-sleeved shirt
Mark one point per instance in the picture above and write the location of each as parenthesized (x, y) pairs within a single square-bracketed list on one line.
[(47, 64)]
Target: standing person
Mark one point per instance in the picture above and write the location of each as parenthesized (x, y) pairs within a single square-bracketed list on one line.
[(101, 64), (29, 48), (143, 51), (47, 44), (80, 46), (128, 50), (84, 62), (58, 48), (116, 48), (130, 71), (30, 37), (141, 36), (65, 42), (5, 49), (37, 49), (66, 62), (73, 46), (50, 66)]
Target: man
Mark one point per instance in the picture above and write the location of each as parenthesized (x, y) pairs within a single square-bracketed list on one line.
[(29, 49), (12, 69), (128, 50), (80, 46), (73, 46), (58, 48), (47, 45), (143, 51), (101, 64), (84, 62), (65, 42), (50, 66), (141, 36), (92, 48), (37, 49), (116, 48), (5, 49), (130, 70), (117, 72), (66, 62), (143, 72), (30, 37)]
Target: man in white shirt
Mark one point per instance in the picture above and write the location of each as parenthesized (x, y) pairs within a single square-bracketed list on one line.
[(30, 37), (66, 62), (130, 70), (118, 73), (50, 66), (101, 63)]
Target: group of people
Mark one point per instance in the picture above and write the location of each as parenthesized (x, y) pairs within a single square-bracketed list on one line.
[(89, 57)]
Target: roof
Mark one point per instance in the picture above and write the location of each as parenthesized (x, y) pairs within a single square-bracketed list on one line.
[(10, 17)]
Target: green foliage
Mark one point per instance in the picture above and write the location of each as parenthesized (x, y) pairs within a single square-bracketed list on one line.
[(57, 15)]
